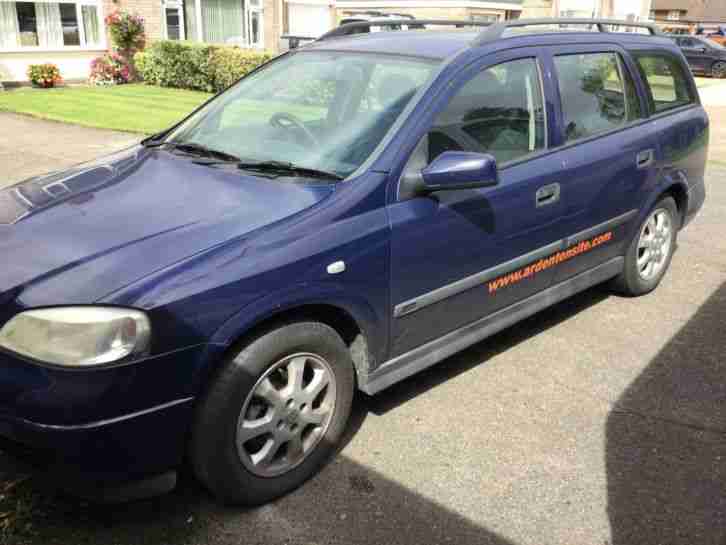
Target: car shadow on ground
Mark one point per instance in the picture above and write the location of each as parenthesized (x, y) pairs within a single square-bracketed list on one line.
[(666, 440), (346, 504)]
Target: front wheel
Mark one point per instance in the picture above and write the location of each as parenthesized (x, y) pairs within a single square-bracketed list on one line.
[(718, 70), (650, 251), (274, 414)]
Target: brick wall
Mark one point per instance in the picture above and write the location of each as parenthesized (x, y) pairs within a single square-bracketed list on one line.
[(150, 10), (272, 23), (537, 8)]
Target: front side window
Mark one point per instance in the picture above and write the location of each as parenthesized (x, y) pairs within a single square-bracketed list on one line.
[(666, 81), (500, 111), (596, 92), (49, 24), (321, 110)]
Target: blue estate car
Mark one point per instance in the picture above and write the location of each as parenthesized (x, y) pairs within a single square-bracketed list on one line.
[(345, 216)]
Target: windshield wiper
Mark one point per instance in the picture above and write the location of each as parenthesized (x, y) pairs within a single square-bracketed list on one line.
[(287, 167), (195, 149)]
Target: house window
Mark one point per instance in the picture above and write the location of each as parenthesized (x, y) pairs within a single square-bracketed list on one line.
[(485, 17), (174, 15), (234, 22), (49, 25), (69, 22), (674, 15)]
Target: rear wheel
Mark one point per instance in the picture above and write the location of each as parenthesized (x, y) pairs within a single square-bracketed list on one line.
[(718, 70), (650, 251), (274, 414)]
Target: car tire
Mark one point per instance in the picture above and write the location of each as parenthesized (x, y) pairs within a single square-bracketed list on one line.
[(651, 250), (718, 70), (239, 398)]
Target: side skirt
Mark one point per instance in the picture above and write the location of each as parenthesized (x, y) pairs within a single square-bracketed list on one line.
[(439, 349)]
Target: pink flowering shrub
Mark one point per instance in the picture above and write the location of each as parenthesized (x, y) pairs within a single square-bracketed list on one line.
[(127, 32), (110, 69)]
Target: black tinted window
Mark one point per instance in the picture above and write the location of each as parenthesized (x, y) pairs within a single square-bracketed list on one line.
[(666, 80), (597, 94), (500, 112)]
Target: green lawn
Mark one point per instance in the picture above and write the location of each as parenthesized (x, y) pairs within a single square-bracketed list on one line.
[(134, 108)]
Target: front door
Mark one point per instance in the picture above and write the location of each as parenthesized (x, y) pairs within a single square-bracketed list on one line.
[(459, 255)]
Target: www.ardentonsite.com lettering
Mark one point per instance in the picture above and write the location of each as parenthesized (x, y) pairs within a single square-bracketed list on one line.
[(546, 263)]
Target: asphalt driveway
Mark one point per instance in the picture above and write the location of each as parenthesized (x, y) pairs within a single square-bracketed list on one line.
[(599, 421)]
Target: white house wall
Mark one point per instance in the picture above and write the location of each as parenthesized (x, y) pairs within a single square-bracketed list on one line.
[(73, 65)]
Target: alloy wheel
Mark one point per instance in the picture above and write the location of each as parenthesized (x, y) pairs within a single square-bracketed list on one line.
[(286, 414), (654, 244)]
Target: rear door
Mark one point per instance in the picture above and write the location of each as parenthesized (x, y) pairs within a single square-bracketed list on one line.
[(677, 119), (606, 149)]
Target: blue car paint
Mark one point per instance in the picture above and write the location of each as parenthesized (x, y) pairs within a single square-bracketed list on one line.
[(210, 253)]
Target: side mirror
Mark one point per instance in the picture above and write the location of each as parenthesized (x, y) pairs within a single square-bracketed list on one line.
[(454, 170)]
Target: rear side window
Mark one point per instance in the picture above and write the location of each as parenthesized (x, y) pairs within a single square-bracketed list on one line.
[(666, 80), (597, 94)]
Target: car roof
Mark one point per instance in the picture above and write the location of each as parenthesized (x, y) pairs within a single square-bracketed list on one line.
[(414, 43), (438, 44)]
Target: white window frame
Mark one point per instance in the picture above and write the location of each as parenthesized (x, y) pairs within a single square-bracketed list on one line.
[(674, 15), (247, 9), (101, 46), (179, 6)]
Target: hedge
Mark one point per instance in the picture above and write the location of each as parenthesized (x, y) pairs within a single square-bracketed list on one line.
[(200, 67)]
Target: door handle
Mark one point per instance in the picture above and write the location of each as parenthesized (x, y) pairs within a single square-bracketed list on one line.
[(548, 194), (645, 159)]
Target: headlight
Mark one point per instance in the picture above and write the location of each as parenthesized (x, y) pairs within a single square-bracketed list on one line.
[(77, 336)]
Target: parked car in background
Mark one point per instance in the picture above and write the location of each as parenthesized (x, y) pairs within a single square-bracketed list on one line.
[(704, 56), (342, 218)]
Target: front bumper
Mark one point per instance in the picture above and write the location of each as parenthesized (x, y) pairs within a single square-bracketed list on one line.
[(124, 449), (108, 425)]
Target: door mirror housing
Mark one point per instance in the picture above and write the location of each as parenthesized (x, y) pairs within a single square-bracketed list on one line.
[(454, 170)]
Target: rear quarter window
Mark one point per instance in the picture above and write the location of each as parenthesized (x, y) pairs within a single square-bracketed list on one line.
[(666, 79)]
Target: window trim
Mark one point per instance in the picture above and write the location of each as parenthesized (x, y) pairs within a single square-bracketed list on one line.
[(84, 47)]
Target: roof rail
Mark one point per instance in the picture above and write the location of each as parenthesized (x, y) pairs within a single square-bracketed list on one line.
[(365, 26), (497, 30)]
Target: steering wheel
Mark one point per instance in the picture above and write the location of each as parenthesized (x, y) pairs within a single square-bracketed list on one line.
[(284, 120)]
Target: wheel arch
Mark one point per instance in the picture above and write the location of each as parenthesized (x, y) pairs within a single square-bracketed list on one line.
[(353, 320), (673, 186)]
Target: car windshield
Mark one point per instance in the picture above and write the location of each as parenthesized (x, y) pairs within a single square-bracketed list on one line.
[(324, 111)]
